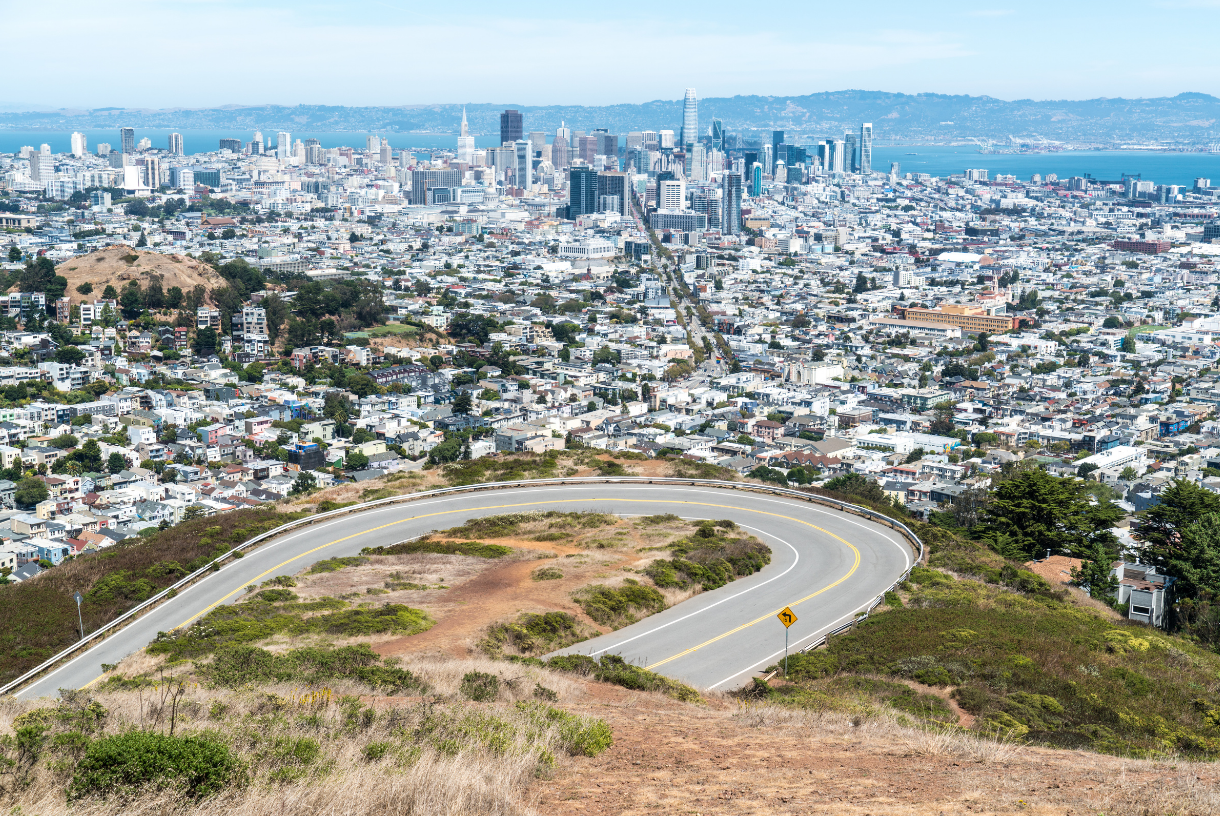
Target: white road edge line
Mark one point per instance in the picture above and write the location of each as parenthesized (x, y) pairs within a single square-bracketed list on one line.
[(717, 603), (771, 657)]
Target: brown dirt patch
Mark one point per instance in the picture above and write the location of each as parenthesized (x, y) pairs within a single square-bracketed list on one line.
[(669, 757), (1057, 571), (108, 267)]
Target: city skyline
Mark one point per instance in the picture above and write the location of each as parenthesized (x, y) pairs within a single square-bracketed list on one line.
[(946, 46)]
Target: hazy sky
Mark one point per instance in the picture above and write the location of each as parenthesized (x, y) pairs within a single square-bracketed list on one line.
[(196, 53)]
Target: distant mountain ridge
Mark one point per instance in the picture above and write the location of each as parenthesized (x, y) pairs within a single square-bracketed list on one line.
[(1188, 118)]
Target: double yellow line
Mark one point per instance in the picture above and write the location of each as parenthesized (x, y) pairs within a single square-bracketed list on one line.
[(282, 564)]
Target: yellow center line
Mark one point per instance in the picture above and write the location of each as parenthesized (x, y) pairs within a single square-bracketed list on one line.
[(285, 563), (769, 615)]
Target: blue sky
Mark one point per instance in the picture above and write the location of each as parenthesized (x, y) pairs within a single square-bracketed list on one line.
[(197, 53)]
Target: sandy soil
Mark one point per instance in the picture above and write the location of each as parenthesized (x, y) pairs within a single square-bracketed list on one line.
[(1057, 570), (723, 758), (479, 592), (106, 266)]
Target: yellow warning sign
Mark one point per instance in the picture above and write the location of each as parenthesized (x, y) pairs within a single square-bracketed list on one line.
[(786, 617)]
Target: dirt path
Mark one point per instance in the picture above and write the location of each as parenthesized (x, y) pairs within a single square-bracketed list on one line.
[(669, 757)]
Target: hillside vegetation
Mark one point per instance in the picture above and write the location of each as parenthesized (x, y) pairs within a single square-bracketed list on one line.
[(41, 616), (1020, 658), (244, 739), (119, 264)]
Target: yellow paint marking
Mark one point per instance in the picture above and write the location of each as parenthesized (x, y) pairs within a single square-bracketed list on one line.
[(850, 572)]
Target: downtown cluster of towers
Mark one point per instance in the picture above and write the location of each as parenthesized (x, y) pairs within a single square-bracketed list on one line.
[(670, 171)]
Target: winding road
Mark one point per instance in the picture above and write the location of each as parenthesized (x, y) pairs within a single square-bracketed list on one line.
[(826, 565)]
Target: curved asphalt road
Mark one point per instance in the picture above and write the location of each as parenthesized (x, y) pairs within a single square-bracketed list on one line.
[(826, 564)]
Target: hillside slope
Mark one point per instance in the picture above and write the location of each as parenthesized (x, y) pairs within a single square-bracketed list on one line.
[(116, 265)]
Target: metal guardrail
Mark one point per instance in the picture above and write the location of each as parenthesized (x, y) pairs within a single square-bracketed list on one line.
[(237, 552)]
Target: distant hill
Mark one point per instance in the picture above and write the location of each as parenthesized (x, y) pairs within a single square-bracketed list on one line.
[(1188, 117), (119, 264)]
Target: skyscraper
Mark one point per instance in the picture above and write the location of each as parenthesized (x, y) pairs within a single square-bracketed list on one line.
[(717, 134), (582, 192), (777, 139), (756, 179), (524, 165), (79, 145), (465, 142), (175, 144), (283, 145), (42, 166), (387, 153), (373, 144), (850, 162), (561, 147), (730, 222), (690, 120), (152, 172), (127, 138), (866, 148), (612, 195), (256, 144), (511, 124)]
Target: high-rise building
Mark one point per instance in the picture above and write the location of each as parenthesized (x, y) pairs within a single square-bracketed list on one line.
[(866, 148), (690, 119), (730, 221), (524, 168), (777, 139), (537, 140), (697, 163), (42, 166), (79, 145), (103, 148), (895, 171), (152, 172), (671, 194), (582, 192), (850, 162), (756, 179), (511, 126), (387, 153), (372, 144), (127, 138), (283, 145), (232, 145), (175, 145), (425, 182), (586, 148), (465, 142), (561, 147), (256, 144), (665, 140), (717, 134), (612, 193)]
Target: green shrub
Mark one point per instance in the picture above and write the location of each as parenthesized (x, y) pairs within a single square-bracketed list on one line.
[(547, 574), (425, 545), (480, 686), (196, 766), (619, 606), (251, 622), (238, 666), (710, 558), (275, 595), (533, 634), (336, 564), (376, 750), (613, 669)]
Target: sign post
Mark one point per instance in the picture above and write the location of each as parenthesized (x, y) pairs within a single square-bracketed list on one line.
[(82, 620), (787, 618)]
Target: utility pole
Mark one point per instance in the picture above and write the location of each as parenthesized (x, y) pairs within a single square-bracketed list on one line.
[(82, 620)]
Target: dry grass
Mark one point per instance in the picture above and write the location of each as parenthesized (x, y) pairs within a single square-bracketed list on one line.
[(440, 754)]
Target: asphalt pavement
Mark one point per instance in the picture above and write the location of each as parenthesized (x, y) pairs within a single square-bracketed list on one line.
[(826, 564)]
